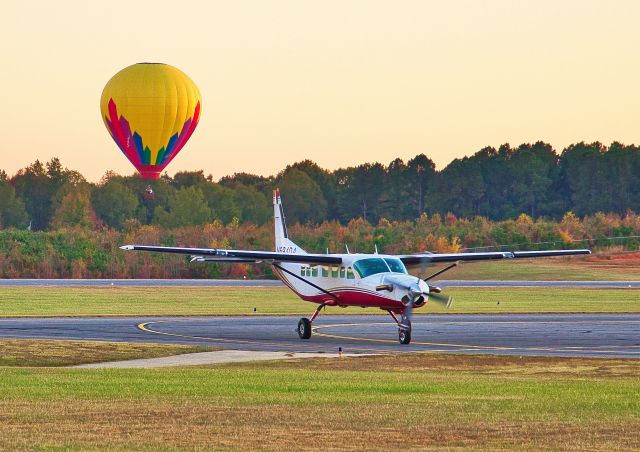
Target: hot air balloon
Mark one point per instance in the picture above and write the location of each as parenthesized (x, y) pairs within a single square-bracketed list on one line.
[(150, 110)]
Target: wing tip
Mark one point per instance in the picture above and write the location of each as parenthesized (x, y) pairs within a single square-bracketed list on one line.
[(127, 247)]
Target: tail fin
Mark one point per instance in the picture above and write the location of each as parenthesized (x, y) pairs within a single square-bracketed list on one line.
[(283, 244)]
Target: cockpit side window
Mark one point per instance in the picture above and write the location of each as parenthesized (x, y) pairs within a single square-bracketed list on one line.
[(395, 265)]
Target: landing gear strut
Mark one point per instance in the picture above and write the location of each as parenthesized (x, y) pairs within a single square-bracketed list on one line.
[(304, 324), (404, 328)]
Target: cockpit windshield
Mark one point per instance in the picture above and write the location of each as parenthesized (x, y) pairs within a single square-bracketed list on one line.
[(395, 265), (375, 265), (368, 267)]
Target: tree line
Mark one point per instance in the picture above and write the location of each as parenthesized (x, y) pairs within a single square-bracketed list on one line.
[(497, 184), (89, 253)]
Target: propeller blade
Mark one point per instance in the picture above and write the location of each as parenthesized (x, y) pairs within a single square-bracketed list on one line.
[(387, 287), (442, 299), (408, 310)]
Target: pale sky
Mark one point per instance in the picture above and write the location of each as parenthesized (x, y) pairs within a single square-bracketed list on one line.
[(340, 82)]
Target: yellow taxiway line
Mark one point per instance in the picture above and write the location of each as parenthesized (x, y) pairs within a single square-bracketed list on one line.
[(459, 347)]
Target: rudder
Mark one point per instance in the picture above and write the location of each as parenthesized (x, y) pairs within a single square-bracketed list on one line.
[(282, 242)]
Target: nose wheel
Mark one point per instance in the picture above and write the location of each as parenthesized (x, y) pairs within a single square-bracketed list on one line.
[(404, 331), (404, 328)]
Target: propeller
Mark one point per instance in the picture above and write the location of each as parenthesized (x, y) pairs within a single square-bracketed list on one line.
[(414, 292)]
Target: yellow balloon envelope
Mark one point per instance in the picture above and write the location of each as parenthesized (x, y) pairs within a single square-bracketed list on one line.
[(150, 110)]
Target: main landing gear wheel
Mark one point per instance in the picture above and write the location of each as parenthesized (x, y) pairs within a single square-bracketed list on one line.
[(404, 332), (304, 328)]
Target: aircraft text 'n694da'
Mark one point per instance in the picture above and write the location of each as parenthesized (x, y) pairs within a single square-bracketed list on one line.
[(366, 280)]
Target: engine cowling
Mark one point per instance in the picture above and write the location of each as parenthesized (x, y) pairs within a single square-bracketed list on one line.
[(420, 301)]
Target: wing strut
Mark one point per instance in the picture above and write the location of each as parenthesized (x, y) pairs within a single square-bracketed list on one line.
[(449, 267), (334, 296)]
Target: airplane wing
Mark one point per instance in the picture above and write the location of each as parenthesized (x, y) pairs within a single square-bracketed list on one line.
[(417, 259), (218, 255)]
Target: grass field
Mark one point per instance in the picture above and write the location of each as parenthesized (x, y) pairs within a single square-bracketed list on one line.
[(75, 301), (406, 401), (49, 353)]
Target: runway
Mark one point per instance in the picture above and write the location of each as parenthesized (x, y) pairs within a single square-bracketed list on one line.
[(588, 335), (277, 283)]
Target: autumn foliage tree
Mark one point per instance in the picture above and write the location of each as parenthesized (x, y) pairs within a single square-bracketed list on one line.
[(74, 211), (12, 209), (186, 207)]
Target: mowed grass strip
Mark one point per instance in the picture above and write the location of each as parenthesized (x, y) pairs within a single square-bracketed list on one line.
[(384, 402), (108, 301), (167, 301), (50, 353), (592, 268), (539, 300)]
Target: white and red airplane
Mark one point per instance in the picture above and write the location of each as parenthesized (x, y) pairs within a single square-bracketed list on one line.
[(366, 280)]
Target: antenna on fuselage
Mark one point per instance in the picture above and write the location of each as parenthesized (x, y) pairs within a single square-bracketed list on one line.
[(347, 247), (375, 247), (327, 250)]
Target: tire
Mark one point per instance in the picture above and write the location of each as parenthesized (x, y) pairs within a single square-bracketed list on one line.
[(404, 336), (304, 328)]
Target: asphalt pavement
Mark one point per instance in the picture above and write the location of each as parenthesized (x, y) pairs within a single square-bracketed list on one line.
[(592, 335)]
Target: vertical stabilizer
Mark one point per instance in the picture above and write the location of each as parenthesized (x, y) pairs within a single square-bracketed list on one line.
[(283, 244)]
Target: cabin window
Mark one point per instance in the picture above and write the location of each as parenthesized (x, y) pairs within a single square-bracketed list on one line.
[(350, 274), (314, 271), (301, 270), (334, 272), (325, 271), (343, 272)]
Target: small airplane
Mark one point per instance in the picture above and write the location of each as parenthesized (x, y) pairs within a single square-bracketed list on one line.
[(366, 280)]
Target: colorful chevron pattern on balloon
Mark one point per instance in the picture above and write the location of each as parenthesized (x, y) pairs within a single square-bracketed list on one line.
[(132, 144)]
